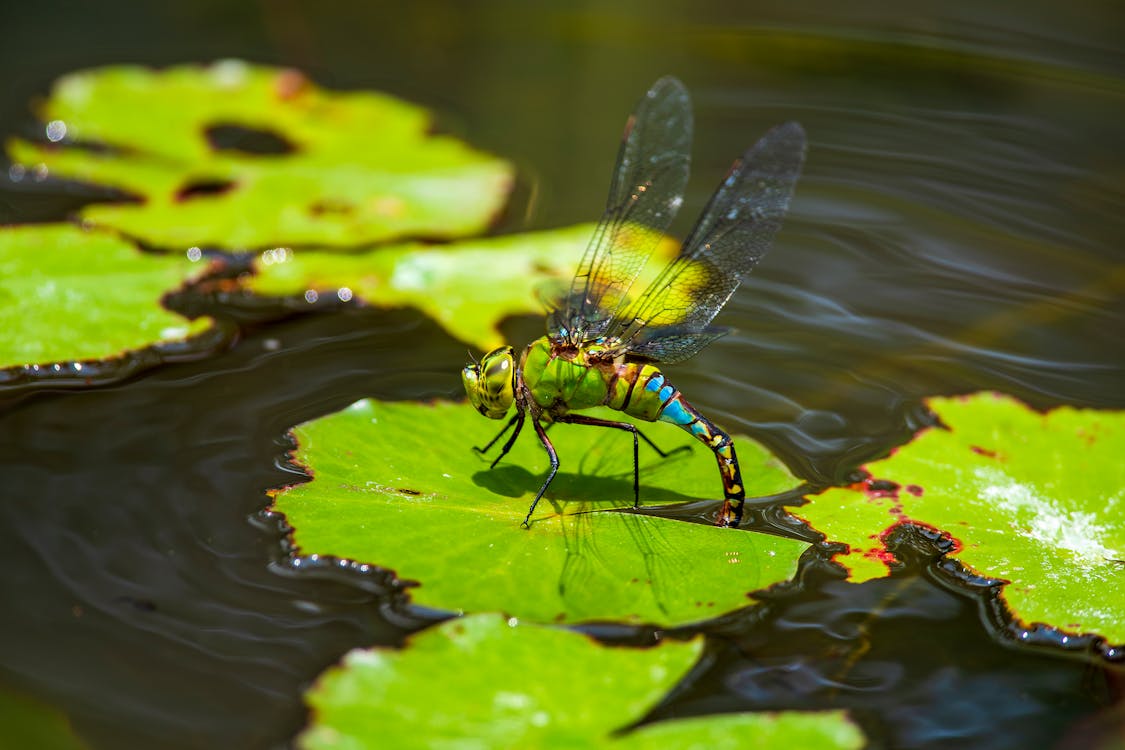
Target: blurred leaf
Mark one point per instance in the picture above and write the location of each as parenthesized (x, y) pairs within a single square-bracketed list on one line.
[(336, 168), (67, 294), (398, 485), (30, 724), (1034, 499), (484, 682), (469, 287)]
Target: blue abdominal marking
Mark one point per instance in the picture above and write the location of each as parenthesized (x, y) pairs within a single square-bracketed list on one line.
[(675, 413)]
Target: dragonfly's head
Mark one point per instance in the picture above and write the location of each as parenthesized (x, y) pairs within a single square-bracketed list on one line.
[(491, 383)]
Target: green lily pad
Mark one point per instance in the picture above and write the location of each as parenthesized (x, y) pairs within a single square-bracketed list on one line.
[(398, 485), (341, 168), (468, 287), (67, 294), (485, 682), (1036, 500), (29, 723)]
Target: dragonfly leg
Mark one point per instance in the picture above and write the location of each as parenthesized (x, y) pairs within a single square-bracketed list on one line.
[(516, 420), (582, 419), (664, 454), (547, 446)]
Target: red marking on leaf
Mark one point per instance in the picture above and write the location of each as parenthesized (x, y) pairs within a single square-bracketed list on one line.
[(860, 476), (289, 84), (878, 488), (982, 451), (914, 490), (881, 554), (958, 545)]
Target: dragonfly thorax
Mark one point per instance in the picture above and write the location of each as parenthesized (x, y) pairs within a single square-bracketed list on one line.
[(490, 383)]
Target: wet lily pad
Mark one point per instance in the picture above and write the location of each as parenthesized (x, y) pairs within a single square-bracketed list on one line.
[(236, 155), (484, 682), (398, 485), (67, 294), (468, 287), (1036, 500)]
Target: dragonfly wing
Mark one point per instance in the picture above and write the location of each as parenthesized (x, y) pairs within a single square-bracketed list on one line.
[(670, 320), (646, 191), (674, 344)]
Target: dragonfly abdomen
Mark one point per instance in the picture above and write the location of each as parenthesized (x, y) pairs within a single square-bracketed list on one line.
[(652, 398)]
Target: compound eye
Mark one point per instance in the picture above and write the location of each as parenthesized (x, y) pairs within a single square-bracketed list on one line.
[(498, 370)]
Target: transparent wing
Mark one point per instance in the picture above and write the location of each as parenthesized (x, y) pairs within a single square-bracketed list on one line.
[(644, 195), (670, 320)]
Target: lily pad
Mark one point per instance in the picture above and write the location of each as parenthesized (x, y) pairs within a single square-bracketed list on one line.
[(398, 485), (1035, 500), (316, 167), (484, 682), (67, 294), (29, 723), (468, 287)]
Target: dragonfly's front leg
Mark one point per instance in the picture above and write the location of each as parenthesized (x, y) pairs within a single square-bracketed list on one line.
[(516, 420), (581, 419), (547, 446)]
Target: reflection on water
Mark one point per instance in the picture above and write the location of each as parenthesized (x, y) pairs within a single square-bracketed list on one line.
[(957, 228)]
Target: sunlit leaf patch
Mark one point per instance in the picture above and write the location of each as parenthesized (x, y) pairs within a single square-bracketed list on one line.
[(1034, 499)]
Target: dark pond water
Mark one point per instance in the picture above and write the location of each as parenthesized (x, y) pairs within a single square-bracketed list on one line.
[(958, 228)]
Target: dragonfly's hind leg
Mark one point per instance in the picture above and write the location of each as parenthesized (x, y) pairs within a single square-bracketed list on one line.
[(582, 419), (664, 454)]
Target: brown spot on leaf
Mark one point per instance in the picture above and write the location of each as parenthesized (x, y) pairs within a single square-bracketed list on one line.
[(320, 208)]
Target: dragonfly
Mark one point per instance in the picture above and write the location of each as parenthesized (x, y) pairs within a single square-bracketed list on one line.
[(604, 346)]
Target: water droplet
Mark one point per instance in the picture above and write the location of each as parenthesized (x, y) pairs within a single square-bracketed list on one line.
[(40, 172), (344, 294), (513, 622), (229, 73), (311, 296), (16, 172), (194, 254), (56, 131)]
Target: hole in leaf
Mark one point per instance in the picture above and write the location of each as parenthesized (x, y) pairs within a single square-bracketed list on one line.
[(247, 140), (197, 188)]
